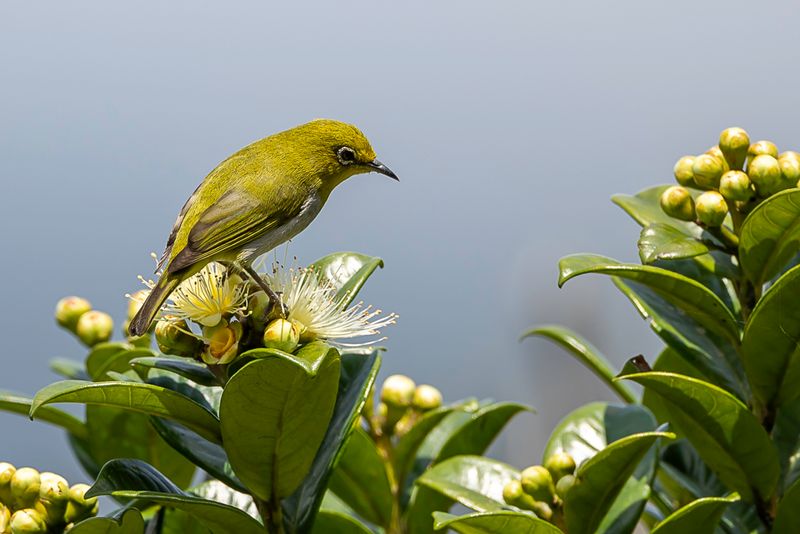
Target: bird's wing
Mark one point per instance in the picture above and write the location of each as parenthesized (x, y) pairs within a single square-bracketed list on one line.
[(175, 228), (236, 219)]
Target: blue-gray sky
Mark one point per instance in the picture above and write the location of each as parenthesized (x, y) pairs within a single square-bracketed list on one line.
[(509, 123)]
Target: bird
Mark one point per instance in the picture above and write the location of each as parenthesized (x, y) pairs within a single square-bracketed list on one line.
[(255, 200)]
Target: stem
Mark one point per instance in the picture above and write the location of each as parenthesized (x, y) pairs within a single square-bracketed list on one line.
[(270, 512), (384, 443), (220, 372), (763, 512)]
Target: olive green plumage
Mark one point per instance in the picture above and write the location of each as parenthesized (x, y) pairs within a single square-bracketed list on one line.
[(260, 197)]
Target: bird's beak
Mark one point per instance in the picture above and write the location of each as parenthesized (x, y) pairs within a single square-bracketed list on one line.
[(377, 166)]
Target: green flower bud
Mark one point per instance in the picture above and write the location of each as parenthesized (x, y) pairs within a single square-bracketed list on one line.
[(27, 521), (53, 497), (25, 484), (94, 327), (762, 148), (790, 168), (707, 170), (69, 310), (512, 491), (542, 510), (281, 334), (677, 202), (398, 390), (223, 343), (79, 507), (560, 464), (683, 171), (258, 305), (717, 153), (538, 483), (734, 144), (381, 411), (735, 185), (5, 519), (6, 473), (426, 398), (172, 337), (711, 208), (765, 173), (563, 486)]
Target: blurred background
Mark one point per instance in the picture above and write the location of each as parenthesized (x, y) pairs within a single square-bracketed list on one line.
[(510, 124)]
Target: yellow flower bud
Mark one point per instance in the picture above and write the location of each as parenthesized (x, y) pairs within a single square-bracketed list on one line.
[(765, 173), (25, 484), (398, 390), (27, 521), (560, 464), (677, 202), (542, 510), (5, 519), (79, 507), (734, 144), (735, 185), (69, 310), (790, 168), (223, 343), (6, 473), (683, 171), (94, 327), (512, 491), (426, 398), (563, 486), (53, 497), (707, 170), (538, 483), (717, 153), (762, 148), (281, 334), (172, 337), (711, 208)]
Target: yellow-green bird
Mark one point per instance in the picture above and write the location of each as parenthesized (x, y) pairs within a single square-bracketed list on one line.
[(260, 197)]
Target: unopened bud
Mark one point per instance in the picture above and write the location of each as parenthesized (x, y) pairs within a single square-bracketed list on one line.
[(538, 483), (515, 496), (398, 390), (6, 473), (25, 484), (426, 398), (542, 510), (790, 168), (223, 343), (5, 519), (707, 170), (683, 171), (94, 327), (69, 310), (765, 173), (563, 486), (258, 304), (711, 208), (736, 186), (173, 337), (53, 497), (27, 521), (560, 464), (762, 148), (734, 144), (677, 202), (79, 507), (717, 153), (281, 334)]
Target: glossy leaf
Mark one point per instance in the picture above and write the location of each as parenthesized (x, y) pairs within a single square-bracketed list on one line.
[(142, 398), (360, 480), (118, 362), (355, 383), (493, 523), (68, 369), (586, 353), (786, 436), (101, 352), (725, 433), (274, 414), (693, 298), (133, 479), (347, 271), (770, 236), (19, 404), (770, 350), (473, 481), (185, 367), (329, 521), (660, 241), (698, 517), (600, 479), (788, 517), (407, 446), (129, 522), (645, 208), (216, 491)]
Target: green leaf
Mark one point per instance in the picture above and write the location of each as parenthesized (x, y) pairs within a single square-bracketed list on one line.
[(355, 384), (347, 271), (185, 367), (698, 517), (770, 236), (407, 446), (788, 517), (216, 491), (130, 522), (494, 523), (329, 521), (102, 352), (645, 209), (68, 369), (786, 436), (360, 480), (19, 404), (142, 398), (118, 362), (770, 350), (725, 433), (600, 479), (585, 353), (274, 414), (659, 241), (133, 479), (473, 481), (693, 298)]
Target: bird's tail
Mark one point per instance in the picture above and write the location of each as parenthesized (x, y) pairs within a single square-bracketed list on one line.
[(141, 321)]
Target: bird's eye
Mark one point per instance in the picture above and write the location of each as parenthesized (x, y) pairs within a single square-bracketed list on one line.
[(346, 155)]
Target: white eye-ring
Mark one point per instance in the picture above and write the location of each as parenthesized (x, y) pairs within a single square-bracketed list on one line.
[(346, 155)]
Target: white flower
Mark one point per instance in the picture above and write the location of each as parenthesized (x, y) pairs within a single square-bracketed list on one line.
[(313, 304)]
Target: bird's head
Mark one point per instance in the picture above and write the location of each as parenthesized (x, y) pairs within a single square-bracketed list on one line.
[(336, 150)]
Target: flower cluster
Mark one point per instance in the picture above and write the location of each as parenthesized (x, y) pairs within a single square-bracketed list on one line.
[(543, 488)]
